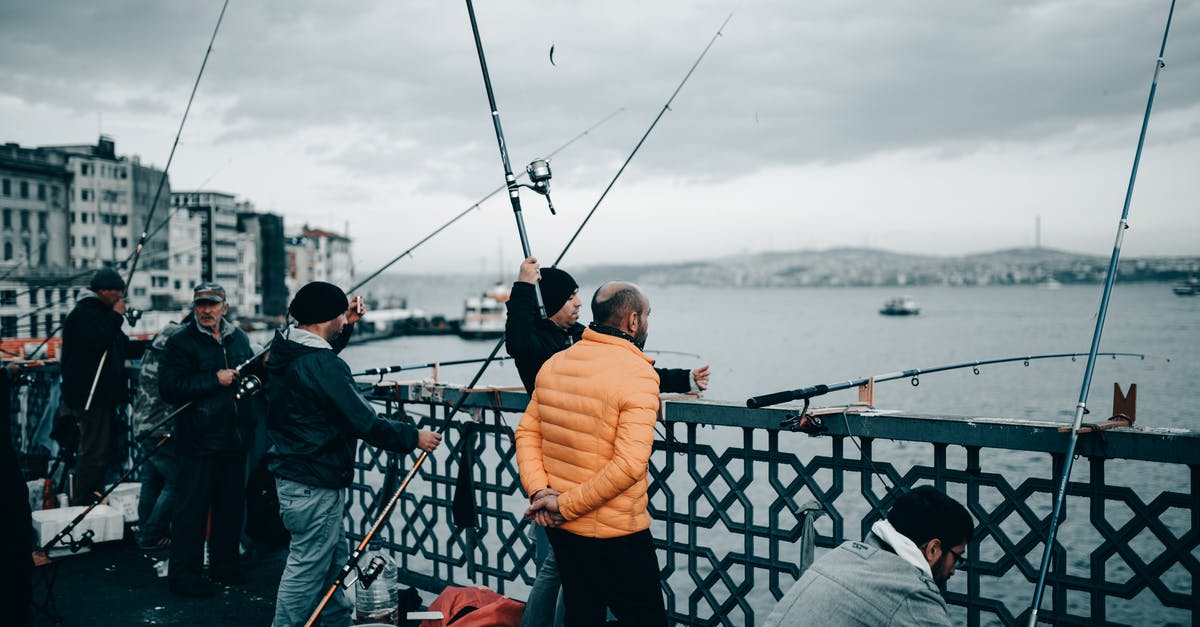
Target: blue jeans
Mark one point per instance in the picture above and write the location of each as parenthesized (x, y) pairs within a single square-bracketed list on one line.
[(545, 605), (157, 493), (317, 552)]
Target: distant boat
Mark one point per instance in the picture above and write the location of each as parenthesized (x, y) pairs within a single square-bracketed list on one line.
[(902, 306), (1050, 284), (483, 316), (1188, 287)]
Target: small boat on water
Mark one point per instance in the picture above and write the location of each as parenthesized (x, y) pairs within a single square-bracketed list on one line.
[(901, 306), (1187, 287), (483, 316)]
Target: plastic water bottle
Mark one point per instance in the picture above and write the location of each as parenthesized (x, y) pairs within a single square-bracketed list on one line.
[(377, 603)]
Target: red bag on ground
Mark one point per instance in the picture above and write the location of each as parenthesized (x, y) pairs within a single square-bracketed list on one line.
[(475, 607)]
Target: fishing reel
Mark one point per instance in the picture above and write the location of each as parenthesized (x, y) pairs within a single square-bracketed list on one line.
[(366, 576), (132, 315), (248, 386), (84, 541), (539, 174)]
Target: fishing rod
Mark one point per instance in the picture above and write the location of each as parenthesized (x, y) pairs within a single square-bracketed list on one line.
[(477, 204), (247, 386), (386, 511), (807, 393), (658, 117), (137, 253), (433, 364), (1109, 279), (86, 538), (539, 173)]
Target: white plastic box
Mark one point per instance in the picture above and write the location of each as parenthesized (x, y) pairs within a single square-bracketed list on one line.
[(105, 522), (125, 499)]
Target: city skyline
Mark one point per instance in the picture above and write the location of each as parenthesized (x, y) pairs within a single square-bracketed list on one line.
[(946, 128)]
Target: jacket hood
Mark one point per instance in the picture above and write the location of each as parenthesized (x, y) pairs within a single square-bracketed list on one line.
[(284, 351)]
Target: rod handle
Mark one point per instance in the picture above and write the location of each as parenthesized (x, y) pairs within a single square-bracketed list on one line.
[(776, 398)]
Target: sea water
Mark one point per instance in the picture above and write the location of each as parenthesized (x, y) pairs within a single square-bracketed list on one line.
[(766, 340)]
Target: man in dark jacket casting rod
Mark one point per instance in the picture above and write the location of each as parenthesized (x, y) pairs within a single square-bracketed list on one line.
[(316, 418)]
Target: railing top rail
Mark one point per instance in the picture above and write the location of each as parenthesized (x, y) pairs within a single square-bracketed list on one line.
[(1174, 446)]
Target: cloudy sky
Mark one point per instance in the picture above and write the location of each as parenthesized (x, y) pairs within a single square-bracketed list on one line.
[(939, 127)]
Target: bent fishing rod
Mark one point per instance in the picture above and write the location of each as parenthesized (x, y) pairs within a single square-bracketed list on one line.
[(1109, 279), (386, 510), (477, 205), (807, 393), (162, 180)]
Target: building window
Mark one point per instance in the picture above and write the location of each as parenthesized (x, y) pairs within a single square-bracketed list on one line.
[(24, 220), (86, 169), (178, 284), (7, 187), (8, 251), (62, 295), (49, 295), (8, 326), (24, 189), (42, 254), (8, 218), (33, 297), (8, 297), (72, 241), (124, 242), (33, 328), (83, 217), (87, 194), (41, 191), (41, 220), (49, 322), (73, 217)]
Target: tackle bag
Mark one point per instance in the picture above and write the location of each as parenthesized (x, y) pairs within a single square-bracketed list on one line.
[(475, 607)]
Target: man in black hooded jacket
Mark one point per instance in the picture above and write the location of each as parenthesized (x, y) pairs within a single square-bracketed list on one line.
[(315, 421), (93, 340), (199, 366)]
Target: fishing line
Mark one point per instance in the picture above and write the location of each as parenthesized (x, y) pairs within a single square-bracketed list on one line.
[(658, 117), (1109, 279), (477, 204)]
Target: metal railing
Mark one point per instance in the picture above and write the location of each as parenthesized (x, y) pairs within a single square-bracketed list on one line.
[(727, 484), (729, 488)]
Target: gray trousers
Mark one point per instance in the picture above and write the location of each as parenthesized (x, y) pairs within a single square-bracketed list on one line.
[(318, 550)]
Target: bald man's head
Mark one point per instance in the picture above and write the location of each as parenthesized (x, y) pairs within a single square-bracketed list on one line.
[(622, 306)]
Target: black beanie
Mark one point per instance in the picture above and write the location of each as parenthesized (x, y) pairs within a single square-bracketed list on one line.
[(557, 287), (318, 302), (106, 279)]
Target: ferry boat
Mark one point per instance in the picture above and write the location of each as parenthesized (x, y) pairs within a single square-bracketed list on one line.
[(902, 306), (1189, 287), (483, 316)]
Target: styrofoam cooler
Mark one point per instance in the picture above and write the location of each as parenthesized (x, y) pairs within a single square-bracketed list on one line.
[(35, 495), (125, 499), (105, 522)]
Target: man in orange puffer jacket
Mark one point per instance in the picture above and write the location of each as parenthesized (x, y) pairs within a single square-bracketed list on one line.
[(583, 447)]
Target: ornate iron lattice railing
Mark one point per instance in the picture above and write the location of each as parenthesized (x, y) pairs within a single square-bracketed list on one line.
[(728, 488)]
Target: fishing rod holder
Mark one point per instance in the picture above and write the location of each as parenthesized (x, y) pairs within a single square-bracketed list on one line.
[(540, 175)]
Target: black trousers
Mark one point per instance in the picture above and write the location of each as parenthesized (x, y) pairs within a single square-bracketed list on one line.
[(620, 574), (96, 435), (204, 485)]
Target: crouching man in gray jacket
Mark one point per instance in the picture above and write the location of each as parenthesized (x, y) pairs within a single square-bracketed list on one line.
[(895, 576)]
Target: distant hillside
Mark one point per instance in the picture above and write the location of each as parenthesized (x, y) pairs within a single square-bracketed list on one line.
[(868, 267)]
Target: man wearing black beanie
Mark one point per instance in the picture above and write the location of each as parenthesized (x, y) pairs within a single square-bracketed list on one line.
[(94, 384), (532, 340), (315, 420)]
